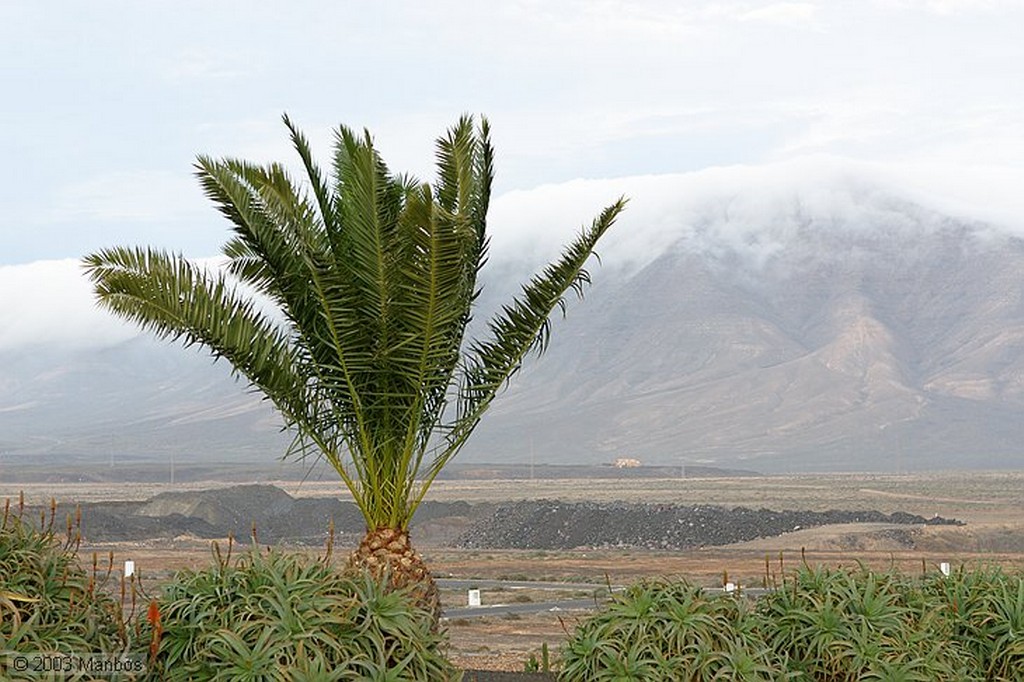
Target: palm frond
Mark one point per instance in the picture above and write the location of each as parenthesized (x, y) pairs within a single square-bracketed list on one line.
[(176, 299), (271, 222), (313, 174), (520, 328)]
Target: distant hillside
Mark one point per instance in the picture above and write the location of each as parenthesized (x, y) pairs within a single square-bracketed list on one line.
[(887, 337), (825, 345)]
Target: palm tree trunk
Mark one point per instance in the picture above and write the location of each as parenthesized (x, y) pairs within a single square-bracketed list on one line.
[(388, 554)]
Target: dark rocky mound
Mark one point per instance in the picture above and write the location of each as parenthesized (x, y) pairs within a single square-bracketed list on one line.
[(280, 518), (546, 524), (277, 516)]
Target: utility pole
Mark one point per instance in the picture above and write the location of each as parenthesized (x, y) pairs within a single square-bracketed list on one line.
[(532, 458)]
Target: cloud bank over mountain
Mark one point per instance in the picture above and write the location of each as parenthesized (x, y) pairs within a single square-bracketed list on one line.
[(751, 211), (812, 314), (749, 208), (49, 303)]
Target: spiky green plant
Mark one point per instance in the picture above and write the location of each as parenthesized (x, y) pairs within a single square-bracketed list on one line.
[(983, 610), (819, 625), (661, 630), (836, 625), (374, 276), (48, 602), (270, 615)]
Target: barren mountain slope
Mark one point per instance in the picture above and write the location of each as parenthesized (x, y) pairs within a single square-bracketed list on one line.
[(874, 334), (848, 346)]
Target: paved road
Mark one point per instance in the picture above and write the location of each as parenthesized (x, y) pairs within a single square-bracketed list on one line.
[(554, 605), (529, 607), (461, 584), (520, 607)]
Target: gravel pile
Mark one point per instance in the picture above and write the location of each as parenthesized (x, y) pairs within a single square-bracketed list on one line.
[(277, 516), (542, 524), (546, 524)]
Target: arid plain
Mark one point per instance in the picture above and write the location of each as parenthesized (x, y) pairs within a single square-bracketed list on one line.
[(991, 505)]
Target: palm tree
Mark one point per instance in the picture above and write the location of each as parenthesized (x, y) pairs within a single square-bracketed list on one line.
[(374, 278)]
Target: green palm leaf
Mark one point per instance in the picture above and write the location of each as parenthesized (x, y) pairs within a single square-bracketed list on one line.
[(176, 299)]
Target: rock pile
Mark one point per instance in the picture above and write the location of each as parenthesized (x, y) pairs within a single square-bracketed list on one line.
[(542, 524), (277, 516), (546, 524)]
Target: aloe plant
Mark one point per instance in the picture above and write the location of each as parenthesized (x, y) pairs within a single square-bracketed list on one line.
[(819, 625), (662, 630), (984, 609), (48, 601), (270, 615), (837, 625)]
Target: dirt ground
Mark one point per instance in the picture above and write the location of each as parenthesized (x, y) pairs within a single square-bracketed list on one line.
[(990, 504)]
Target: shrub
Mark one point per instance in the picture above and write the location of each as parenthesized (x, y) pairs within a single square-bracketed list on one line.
[(660, 630), (820, 624), (48, 602), (984, 612), (838, 625), (277, 616)]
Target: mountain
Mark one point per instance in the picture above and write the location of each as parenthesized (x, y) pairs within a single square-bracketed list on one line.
[(137, 399), (866, 332), (829, 344)]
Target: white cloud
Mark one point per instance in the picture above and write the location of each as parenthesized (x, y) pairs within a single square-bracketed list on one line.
[(136, 196), (574, 90), (788, 13), (949, 7), (967, 191), (888, 125), (51, 303), (202, 63), (749, 210), (745, 208)]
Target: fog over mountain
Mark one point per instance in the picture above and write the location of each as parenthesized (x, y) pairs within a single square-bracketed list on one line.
[(817, 343), (781, 320)]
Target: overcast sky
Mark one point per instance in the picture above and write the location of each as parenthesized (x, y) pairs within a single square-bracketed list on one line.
[(106, 104)]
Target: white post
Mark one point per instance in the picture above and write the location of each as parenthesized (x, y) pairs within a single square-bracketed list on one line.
[(474, 597), (944, 568), (129, 568)]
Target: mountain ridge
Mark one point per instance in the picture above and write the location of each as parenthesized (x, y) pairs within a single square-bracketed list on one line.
[(804, 337)]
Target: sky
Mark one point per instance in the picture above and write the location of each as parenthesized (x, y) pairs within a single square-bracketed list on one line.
[(106, 105)]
